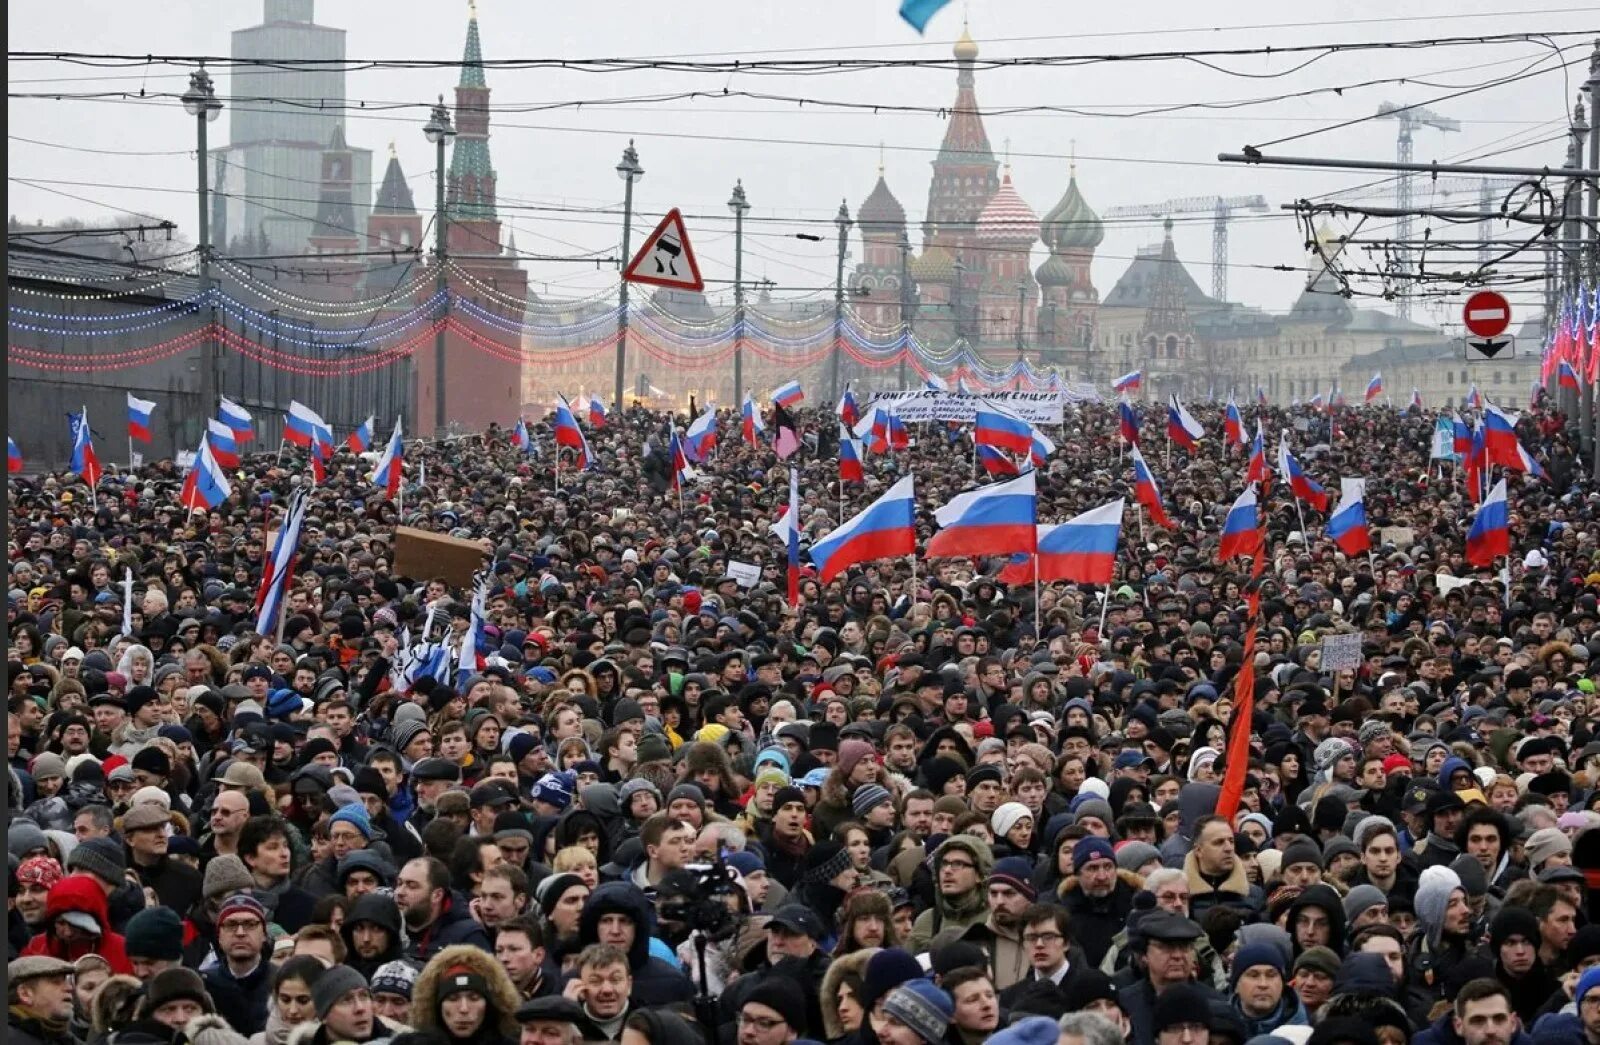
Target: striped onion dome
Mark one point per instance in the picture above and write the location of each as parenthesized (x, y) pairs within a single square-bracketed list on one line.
[(1007, 218)]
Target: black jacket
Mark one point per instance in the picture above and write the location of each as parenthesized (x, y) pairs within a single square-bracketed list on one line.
[(1096, 920), (455, 925), (177, 885), (382, 911), (26, 1031), (242, 1002), (655, 982)]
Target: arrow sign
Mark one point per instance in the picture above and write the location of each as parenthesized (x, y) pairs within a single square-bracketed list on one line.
[(666, 259), (1487, 314), (1490, 347)]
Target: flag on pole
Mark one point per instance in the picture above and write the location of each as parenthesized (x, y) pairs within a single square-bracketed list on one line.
[(567, 433), (13, 456), (1084, 548), (1261, 396), (1476, 463), (701, 436), (359, 440), (300, 425), (521, 438), (917, 12), (884, 529), (681, 471), (1566, 376), (1232, 424), (1145, 490), (474, 641), (597, 412), (1374, 387), (139, 411), (1002, 431), (1258, 469), (790, 395), (84, 460), (1347, 525), (1041, 449), (787, 439), (1490, 535), (792, 541), (1128, 422), (220, 438), (1240, 530), (1474, 399), (387, 474), (279, 569), (1416, 400), (750, 426), (995, 462), (1182, 428), (992, 520), (1236, 761), (849, 412), (1500, 437), (1295, 477), (237, 418), (850, 470), (206, 485), (1128, 382)]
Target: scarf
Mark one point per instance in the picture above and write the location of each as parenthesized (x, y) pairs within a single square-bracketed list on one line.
[(49, 1029)]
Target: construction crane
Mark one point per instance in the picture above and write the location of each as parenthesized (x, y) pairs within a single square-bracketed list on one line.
[(1220, 206), (1409, 118)]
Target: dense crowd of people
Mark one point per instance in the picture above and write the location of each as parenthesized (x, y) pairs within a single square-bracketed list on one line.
[(663, 805)]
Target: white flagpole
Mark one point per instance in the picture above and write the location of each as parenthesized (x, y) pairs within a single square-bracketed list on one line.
[(1036, 595), (1105, 603), (127, 597)]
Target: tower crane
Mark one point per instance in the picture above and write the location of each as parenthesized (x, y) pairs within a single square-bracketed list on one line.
[(1219, 206), (1409, 117)]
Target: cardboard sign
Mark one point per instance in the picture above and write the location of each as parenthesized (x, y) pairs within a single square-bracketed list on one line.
[(1401, 537), (1341, 652), (423, 555), (747, 574), (1040, 408)]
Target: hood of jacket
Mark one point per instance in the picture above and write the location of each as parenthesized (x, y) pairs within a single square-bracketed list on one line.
[(619, 898), (1195, 800), (380, 910), (852, 963), (1327, 899), (77, 892), (503, 999)]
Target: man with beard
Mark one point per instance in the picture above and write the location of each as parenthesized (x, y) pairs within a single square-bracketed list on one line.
[(1098, 896), (371, 933), (435, 917), (961, 865), (1481, 1014), (1010, 893)]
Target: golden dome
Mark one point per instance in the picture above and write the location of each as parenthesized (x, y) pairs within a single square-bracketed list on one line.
[(966, 48)]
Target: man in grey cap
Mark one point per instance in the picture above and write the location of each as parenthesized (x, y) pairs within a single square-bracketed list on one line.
[(39, 1000), (1169, 960)]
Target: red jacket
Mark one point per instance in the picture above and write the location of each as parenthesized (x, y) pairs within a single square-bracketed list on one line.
[(79, 892)]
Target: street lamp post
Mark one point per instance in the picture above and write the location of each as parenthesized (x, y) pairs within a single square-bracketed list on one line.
[(629, 171), (439, 131), (842, 219), (201, 102), (738, 204)]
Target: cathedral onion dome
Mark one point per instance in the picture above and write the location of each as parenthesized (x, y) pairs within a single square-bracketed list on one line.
[(880, 211), (1072, 224), (966, 48), (933, 265), (1007, 218), (1055, 272)]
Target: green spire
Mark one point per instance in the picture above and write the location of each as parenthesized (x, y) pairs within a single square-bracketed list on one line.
[(472, 60)]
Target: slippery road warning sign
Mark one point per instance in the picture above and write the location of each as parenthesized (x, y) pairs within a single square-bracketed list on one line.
[(666, 259)]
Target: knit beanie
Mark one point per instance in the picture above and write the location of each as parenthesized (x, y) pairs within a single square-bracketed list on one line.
[(354, 814), (241, 903), (885, 971), (101, 857), (1367, 826), (1090, 849), (632, 787), (1589, 981), (1328, 754), (212, 1029), (1133, 855), (1513, 921), (24, 837), (394, 978), (783, 996), (851, 752), (784, 796), (1098, 808), (1017, 872), (155, 933), (922, 1007), (1006, 817), (332, 985), (868, 797), (1302, 851), (1545, 843), (1361, 899), (548, 892), (1180, 1003), (825, 862), (1432, 897), (1252, 955), (176, 984), (224, 875)]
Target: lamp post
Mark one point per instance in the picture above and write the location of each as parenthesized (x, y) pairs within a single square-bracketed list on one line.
[(200, 101), (842, 219), (629, 171), (738, 204), (439, 131)]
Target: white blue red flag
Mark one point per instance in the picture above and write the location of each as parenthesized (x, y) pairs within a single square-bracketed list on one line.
[(139, 411), (279, 570)]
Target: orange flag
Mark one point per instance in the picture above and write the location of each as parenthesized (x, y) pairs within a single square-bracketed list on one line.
[(1244, 706)]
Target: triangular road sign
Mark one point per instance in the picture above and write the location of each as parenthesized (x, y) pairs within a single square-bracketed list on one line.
[(666, 259)]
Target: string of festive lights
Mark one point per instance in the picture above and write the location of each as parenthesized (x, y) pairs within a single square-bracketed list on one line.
[(78, 317), (358, 307), (265, 320), (77, 362)]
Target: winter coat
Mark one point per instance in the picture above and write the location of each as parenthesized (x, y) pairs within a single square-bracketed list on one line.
[(243, 1002), (1291, 1012), (454, 925), (499, 1021), (24, 1030), (1443, 1032), (81, 893), (314, 1033), (961, 911), (855, 963), (1096, 920), (1234, 891), (1008, 959), (655, 982), (1139, 1002), (176, 884)]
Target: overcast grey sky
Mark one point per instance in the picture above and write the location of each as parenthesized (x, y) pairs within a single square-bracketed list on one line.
[(693, 150)]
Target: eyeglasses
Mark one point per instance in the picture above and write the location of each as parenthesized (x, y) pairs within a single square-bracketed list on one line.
[(239, 926), (1046, 937), (959, 865), (760, 1023)]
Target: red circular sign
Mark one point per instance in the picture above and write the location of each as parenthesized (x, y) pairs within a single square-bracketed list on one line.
[(1487, 314)]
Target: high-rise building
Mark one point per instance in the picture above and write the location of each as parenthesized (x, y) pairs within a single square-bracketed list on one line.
[(280, 121)]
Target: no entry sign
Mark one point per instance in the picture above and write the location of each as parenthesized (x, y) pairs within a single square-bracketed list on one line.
[(1486, 314)]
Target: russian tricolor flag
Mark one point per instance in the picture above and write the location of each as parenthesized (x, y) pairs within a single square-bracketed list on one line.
[(1460, 437), (84, 460), (237, 418), (1128, 422), (680, 461), (361, 438), (279, 569), (1041, 449), (597, 412), (1232, 424), (1303, 486), (1258, 470), (301, 424), (1241, 529), (750, 426), (521, 438), (850, 470), (1261, 396), (849, 412), (1128, 382), (1490, 535), (1145, 490), (996, 463), (789, 396), (1182, 428), (207, 483), (992, 520), (1416, 400), (1084, 548), (1374, 387), (139, 417), (1474, 399), (1347, 526), (567, 433), (1500, 437), (884, 529), (219, 438), (1002, 431), (390, 465), (13, 456), (701, 436)]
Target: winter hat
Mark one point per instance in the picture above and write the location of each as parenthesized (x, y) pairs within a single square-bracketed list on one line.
[(241, 903), (1302, 851), (1361, 899), (39, 870), (1589, 981), (212, 1030), (224, 875), (1513, 921), (783, 996), (152, 795), (1180, 1003), (1545, 843), (851, 752), (885, 971), (548, 892), (824, 862), (1365, 828), (25, 836), (556, 789), (1251, 955), (1364, 972), (1006, 817), (394, 978), (101, 857), (333, 984), (176, 984), (784, 796), (1090, 849), (633, 787), (48, 766), (1432, 897), (155, 932), (868, 797), (355, 815), (1098, 808), (1328, 753), (922, 1007), (1017, 872), (1031, 1030)]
